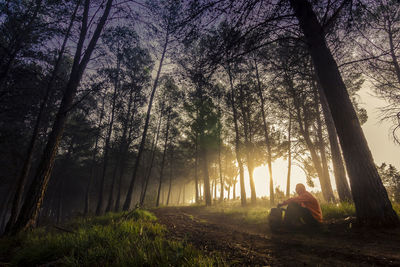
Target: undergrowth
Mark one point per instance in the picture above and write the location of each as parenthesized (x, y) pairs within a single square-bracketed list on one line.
[(116, 239)]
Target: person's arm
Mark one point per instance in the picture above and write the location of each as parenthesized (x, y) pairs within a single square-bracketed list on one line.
[(298, 199)]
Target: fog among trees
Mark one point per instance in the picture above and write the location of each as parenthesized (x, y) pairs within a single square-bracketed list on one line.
[(108, 105)]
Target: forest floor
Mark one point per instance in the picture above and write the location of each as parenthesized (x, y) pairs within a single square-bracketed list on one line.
[(243, 243)]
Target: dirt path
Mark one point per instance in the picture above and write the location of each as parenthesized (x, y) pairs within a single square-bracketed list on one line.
[(243, 244)]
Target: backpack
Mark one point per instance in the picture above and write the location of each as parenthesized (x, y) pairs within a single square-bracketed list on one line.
[(275, 218)]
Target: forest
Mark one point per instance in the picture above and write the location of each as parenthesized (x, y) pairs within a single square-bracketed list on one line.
[(170, 123)]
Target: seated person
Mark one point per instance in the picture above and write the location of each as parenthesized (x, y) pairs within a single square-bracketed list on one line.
[(303, 210)]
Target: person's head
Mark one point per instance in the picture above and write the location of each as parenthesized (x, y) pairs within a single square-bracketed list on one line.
[(300, 188)]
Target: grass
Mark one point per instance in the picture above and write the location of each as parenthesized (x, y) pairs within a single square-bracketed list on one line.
[(258, 214), (116, 239)]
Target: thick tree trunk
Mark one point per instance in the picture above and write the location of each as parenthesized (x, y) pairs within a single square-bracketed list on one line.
[(266, 136), (128, 199), (29, 155), (237, 143), (29, 211), (163, 157), (338, 167), (373, 206)]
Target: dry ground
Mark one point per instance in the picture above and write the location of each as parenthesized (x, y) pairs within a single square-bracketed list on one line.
[(244, 244)]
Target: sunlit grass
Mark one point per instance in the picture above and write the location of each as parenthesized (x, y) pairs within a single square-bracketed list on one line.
[(338, 210), (123, 239), (258, 214)]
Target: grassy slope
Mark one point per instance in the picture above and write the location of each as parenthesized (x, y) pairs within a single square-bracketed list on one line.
[(123, 239)]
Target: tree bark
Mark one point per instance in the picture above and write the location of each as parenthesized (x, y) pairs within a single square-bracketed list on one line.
[(128, 199), (249, 147), (373, 206), (125, 143), (29, 211), (338, 167), (170, 174), (153, 150), (22, 179), (107, 147), (92, 167), (237, 143), (321, 144), (163, 157), (196, 178)]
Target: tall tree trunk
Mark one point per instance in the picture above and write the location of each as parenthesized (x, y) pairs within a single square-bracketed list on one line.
[(249, 147), (3, 215), (321, 144), (110, 202), (289, 152), (303, 122), (373, 206), (204, 165), (107, 147), (163, 157), (221, 179), (314, 156), (234, 188), (153, 153), (338, 167), (93, 163), (183, 195), (33, 201), (128, 199), (179, 195), (215, 189), (266, 136), (29, 155), (60, 200), (170, 174), (196, 177), (125, 143), (237, 143)]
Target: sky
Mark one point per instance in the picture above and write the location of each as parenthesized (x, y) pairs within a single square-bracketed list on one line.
[(378, 137)]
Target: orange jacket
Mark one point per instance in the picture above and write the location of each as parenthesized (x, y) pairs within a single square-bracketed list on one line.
[(306, 200)]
